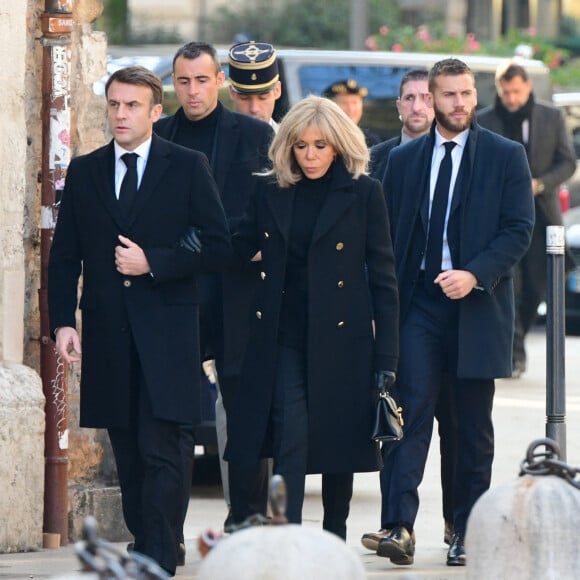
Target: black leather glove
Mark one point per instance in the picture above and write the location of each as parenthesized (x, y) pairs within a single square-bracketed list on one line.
[(384, 380), (191, 240)]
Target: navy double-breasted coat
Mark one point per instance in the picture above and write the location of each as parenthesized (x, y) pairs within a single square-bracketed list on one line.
[(351, 282)]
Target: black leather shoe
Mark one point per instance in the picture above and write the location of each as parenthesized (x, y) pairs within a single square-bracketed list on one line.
[(229, 523), (181, 554), (456, 553), (370, 540), (398, 546), (448, 533)]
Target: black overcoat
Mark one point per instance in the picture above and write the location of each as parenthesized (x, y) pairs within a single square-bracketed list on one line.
[(159, 311), (490, 225), (351, 281), (241, 150)]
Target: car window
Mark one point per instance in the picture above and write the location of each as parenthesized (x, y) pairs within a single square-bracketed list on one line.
[(382, 84)]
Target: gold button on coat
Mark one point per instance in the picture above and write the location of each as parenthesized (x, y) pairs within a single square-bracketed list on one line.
[(263, 275), (340, 283), (258, 315), (340, 324), (127, 283), (266, 235), (339, 246)]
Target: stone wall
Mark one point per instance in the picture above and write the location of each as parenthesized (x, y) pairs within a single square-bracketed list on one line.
[(21, 398), (21, 458), (92, 474)]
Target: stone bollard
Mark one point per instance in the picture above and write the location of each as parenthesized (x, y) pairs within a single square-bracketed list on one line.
[(527, 529), (289, 552), (21, 458)]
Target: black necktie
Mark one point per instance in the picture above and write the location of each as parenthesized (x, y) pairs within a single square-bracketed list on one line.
[(128, 191), (433, 253)]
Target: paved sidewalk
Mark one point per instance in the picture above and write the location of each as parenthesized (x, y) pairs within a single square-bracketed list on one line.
[(519, 418)]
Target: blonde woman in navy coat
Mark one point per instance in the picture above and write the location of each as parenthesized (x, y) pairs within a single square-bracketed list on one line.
[(324, 326)]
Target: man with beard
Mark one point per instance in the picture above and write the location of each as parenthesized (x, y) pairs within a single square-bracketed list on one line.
[(461, 209), (416, 113), (541, 128)]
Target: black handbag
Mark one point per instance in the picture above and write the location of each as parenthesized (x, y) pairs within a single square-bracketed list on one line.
[(388, 419)]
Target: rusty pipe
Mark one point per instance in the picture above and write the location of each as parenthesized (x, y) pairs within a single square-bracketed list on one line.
[(56, 72)]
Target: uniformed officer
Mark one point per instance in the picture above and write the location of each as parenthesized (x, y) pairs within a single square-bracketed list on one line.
[(255, 84), (349, 96)]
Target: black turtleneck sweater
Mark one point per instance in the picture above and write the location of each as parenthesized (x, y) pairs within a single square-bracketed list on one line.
[(199, 135), (309, 195)]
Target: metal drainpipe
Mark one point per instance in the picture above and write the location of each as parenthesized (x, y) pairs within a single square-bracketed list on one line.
[(56, 67)]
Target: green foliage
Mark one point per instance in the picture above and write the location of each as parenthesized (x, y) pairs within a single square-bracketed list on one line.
[(303, 23), (114, 21), (433, 38), (570, 43)]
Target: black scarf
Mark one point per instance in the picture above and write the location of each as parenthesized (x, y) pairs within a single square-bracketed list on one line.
[(512, 122)]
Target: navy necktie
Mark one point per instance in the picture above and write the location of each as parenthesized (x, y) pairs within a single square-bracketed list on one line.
[(433, 253), (128, 191)]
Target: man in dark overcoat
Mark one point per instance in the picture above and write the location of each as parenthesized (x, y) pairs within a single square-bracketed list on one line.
[(541, 128), (139, 302), (236, 146), (456, 240), (416, 114)]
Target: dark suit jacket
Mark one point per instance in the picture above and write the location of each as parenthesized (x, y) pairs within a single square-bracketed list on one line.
[(158, 312), (351, 231), (380, 157), (551, 155), (241, 150), (490, 225)]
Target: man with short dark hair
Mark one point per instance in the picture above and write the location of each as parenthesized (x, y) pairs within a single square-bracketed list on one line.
[(236, 146), (123, 212), (461, 210), (541, 129)]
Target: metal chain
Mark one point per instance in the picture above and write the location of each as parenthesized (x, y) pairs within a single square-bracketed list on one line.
[(548, 463), (110, 563)]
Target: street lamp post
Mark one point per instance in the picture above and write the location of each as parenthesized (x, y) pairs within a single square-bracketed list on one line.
[(555, 338)]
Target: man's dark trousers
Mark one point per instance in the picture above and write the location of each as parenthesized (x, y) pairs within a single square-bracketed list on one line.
[(428, 351), (149, 466)]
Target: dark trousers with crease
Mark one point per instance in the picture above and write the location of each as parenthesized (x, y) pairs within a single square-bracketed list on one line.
[(247, 483), (428, 356), (289, 429), (447, 431), (148, 454)]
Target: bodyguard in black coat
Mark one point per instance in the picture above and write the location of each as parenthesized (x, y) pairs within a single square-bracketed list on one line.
[(306, 393), (139, 302), (236, 146), (416, 114), (457, 322)]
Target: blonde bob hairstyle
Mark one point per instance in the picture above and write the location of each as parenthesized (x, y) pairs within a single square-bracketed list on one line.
[(336, 129)]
